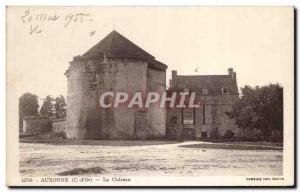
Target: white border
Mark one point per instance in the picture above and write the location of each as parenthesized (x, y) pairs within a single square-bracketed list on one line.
[(107, 3)]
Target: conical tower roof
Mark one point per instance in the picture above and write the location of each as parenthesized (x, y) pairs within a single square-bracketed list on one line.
[(115, 43), (117, 46)]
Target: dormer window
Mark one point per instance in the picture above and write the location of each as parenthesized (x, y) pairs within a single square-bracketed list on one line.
[(225, 91), (205, 91)]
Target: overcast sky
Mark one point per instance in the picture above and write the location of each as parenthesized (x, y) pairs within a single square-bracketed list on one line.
[(256, 42)]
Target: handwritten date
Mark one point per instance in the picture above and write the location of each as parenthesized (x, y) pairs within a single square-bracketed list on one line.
[(36, 19)]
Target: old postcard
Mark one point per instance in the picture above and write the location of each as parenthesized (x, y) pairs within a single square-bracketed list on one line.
[(150, 96)]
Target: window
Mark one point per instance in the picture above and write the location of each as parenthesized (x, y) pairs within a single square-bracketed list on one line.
[(225, 90), (188, 118), (93, 78), (205, 91)]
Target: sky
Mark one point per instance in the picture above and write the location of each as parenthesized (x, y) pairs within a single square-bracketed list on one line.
[(257, 42)]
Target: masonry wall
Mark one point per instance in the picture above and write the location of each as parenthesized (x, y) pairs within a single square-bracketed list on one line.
[(156, 82), (36, 125), (89, 79), (59, 125), (77, 85), (124, 75)]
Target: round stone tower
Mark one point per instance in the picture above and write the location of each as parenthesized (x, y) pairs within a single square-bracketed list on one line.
[(114, 64)]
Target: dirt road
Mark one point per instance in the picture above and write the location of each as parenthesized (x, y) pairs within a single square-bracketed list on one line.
[(151, 159)]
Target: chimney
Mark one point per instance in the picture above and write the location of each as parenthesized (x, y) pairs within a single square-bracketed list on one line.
[(230, 71), (174, 74)]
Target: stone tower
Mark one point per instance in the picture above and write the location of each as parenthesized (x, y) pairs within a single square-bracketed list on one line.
[(114, 64)]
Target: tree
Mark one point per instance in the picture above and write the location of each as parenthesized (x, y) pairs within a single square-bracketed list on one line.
[(28, 106), (60, 107), (260, 108), (47, 108)]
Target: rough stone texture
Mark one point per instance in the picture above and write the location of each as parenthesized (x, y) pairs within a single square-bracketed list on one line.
[(156, 82), (141, 125), (59, 125), (77, 80), (35, 125), (115, 64), (88, 79)]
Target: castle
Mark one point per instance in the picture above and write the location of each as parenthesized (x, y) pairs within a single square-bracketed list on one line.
[(116, 64)]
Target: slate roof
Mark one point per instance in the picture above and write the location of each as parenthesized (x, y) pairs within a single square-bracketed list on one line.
[(214, 83), (116, 45)]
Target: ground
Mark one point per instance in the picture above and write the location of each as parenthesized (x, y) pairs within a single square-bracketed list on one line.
[(150, 158)]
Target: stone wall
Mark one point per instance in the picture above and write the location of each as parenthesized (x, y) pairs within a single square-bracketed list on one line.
[(141, 125), (88, 79), (35, 125), (127, 76), (77, 85), (156, 82), (59, 125)]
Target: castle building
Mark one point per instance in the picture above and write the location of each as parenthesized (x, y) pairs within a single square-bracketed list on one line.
[(114, 64), (216, 93)]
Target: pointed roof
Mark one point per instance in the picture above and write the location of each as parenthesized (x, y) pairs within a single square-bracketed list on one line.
[(117, 46), (115, 43)]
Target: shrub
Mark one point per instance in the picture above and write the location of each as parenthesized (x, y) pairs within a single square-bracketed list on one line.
[(228, 134), (277, 138), (213, 135)]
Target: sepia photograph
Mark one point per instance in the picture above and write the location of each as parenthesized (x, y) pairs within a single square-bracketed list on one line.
[(150, 96)]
